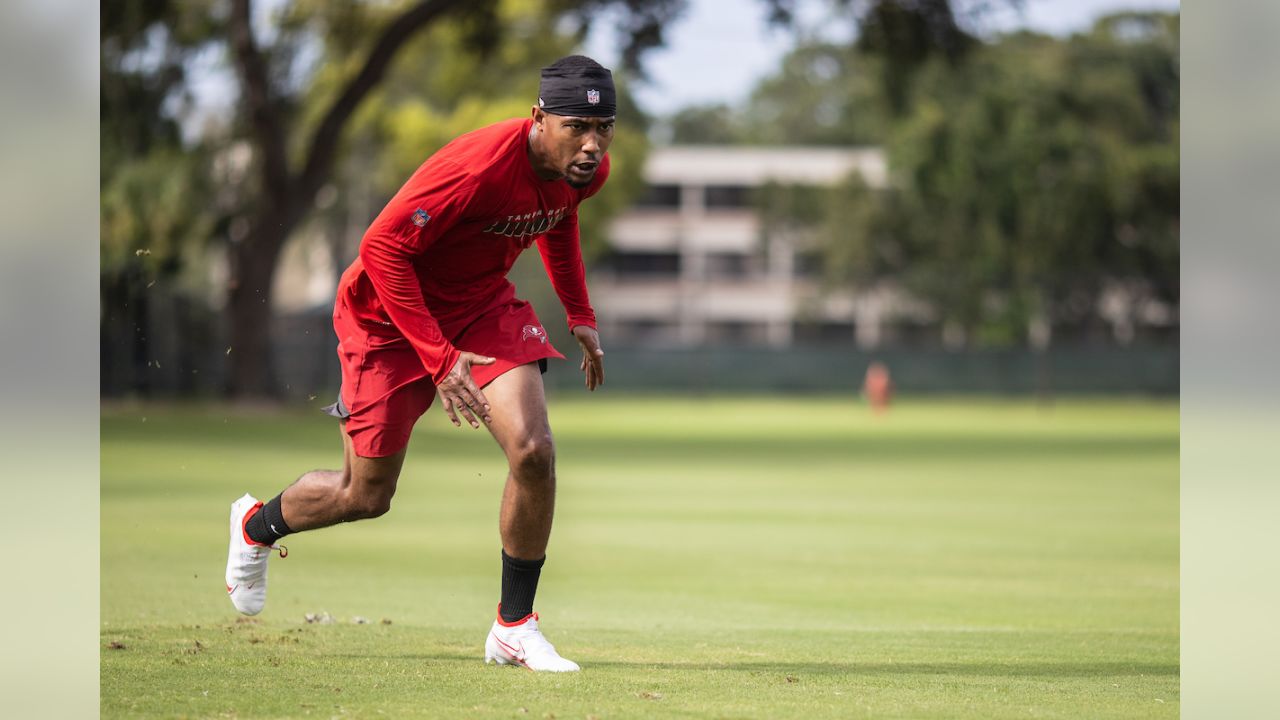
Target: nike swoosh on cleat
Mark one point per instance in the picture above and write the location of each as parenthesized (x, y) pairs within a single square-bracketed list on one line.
[(231, 589), (514, 652)]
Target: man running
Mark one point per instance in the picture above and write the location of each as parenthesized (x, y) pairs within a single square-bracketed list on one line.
[(426, 310)]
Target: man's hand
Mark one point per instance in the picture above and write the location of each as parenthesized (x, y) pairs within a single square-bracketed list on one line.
[(592, 355), (459, 392)]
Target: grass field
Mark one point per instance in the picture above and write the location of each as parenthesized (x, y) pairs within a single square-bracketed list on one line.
[(724, 557)]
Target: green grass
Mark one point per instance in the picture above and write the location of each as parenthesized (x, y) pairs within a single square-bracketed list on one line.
[(717, 557)]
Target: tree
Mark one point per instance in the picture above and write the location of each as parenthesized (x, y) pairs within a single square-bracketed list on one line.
[(1026, 181), (832, 94), (715, 124), (823, 94), (907, 34), (153, 189), (1030, 176)]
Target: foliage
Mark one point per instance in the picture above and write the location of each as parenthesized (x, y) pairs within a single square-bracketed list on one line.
[(154, 193), (715, 124), (831, 94), (1024, 180), (153, 207), (823, 94)]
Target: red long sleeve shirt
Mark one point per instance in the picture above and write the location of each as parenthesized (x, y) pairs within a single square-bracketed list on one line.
[(438, 254)]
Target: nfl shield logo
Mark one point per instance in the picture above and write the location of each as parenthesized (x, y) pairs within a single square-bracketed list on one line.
[(420, 218), (593, 97)]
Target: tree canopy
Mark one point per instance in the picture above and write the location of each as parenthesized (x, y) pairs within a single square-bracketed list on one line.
[(1027, 181)]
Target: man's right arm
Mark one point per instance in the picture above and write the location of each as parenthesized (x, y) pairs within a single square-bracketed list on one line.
[(390, 268), (389, 265), (432, 202)]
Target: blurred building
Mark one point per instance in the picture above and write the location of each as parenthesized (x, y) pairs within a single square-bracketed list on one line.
[(693, 262)]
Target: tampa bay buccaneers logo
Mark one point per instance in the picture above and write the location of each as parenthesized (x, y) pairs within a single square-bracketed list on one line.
[(535, 332)]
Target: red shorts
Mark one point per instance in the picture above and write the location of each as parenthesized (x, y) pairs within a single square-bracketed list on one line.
[(385, 388)]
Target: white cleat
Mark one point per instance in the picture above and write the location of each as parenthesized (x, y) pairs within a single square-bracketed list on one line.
[(247, 561), (521, 643)]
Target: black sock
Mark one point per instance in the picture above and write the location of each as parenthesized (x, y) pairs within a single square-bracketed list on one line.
[(267, 525), (519, 585)]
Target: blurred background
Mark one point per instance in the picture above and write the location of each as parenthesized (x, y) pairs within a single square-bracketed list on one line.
[(968, 197)]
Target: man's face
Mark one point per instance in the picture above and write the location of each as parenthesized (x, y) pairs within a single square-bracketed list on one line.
[(571, 147)]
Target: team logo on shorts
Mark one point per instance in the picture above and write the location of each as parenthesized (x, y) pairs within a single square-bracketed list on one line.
[(593, 97), (420, 217), (536, 332)]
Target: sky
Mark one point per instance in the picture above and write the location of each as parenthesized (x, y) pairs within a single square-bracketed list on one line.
[(719, 49)]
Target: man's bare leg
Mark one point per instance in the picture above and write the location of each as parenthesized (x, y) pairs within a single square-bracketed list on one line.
[(361, 489), (519, 424), (519, 411)]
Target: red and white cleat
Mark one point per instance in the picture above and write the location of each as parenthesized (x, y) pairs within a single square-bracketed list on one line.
[(247, 561), (521, 643)]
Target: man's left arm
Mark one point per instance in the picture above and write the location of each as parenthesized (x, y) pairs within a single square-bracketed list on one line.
[(562, 256)]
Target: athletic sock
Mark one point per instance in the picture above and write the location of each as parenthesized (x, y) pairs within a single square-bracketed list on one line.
[(267, 525), (519, 585)]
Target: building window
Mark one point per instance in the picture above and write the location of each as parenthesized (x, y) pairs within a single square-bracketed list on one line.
[(824, 332), (660, 196), (649, 332), (729, 266), (642, 264), (737, 332), (809, 264), (728, 196)]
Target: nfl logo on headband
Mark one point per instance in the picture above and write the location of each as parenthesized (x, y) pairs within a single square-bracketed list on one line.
[(577, 86)]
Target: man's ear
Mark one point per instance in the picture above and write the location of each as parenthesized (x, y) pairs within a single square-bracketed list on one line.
[(539, 117)]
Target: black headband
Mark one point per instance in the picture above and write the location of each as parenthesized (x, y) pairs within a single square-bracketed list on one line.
[(578, 91)]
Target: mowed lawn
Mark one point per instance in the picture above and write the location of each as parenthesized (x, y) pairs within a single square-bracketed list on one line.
[(712, 557)]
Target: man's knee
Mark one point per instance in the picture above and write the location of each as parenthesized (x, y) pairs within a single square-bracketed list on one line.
[(534, 457), (369, 499), (369, 505), (369, 485)]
